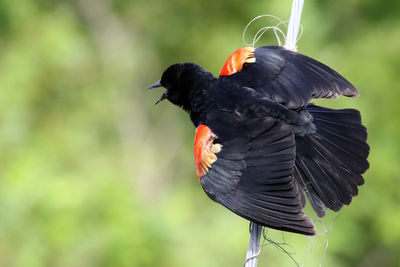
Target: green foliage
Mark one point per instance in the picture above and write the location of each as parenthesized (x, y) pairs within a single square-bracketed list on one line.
[(93, 174)]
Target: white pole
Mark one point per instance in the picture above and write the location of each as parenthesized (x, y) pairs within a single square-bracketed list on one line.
[(254, 245), (294, 25), (290, 43)]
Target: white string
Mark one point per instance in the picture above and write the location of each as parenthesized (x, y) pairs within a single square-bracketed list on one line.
[(294, 25), (301, 32), (260, 32), (308, 251), (292, 35)]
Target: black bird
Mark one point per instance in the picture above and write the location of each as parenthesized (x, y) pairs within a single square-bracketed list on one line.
[(261, 147)]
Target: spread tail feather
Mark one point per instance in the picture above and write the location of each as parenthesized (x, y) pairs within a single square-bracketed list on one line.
[(330, 162)]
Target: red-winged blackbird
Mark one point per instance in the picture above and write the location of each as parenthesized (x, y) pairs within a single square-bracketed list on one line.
[(261, 146)]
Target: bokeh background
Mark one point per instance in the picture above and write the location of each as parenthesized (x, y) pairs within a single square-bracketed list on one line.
[(93, 174)]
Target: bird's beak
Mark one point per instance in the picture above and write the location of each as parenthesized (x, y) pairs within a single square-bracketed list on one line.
[(163, 96), (157, 84)]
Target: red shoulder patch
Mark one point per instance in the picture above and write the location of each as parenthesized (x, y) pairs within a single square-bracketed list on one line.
[(204, 149), (237, 59)]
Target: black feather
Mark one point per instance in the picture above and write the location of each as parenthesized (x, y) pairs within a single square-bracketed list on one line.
[(291, 79), (261, 186), (330, 162)]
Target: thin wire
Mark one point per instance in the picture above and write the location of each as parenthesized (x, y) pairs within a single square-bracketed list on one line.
[(280, 246), (307, 251), (326, 234)]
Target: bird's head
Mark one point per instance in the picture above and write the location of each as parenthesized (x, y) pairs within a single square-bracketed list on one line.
[(179, 80)]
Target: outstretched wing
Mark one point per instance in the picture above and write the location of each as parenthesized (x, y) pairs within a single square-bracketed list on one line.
[(289, 78), (252, 174)]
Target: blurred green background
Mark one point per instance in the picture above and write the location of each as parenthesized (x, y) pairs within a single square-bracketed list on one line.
[(93, 174)]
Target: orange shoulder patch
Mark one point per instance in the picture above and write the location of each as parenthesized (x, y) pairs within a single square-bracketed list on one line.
[(205, 149), (237, 59)]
